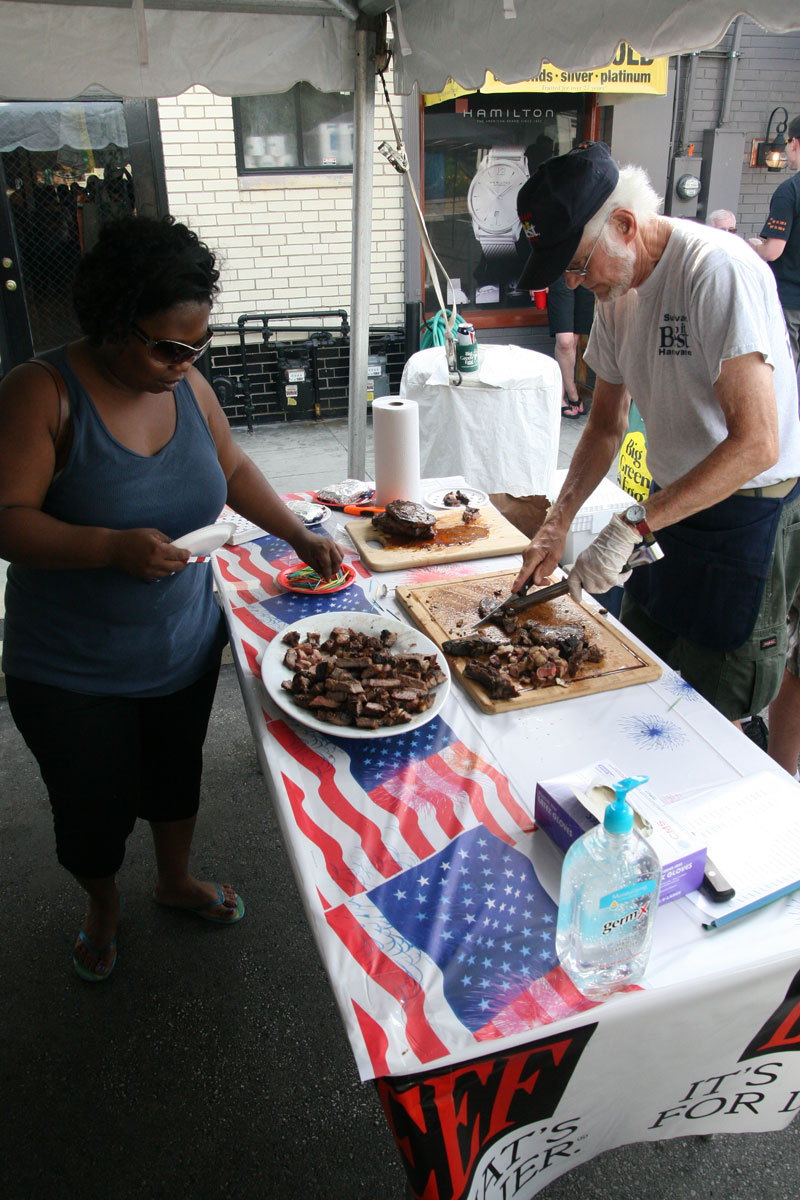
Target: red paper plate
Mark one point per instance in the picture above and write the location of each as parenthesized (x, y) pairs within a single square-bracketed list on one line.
[(282, 580)]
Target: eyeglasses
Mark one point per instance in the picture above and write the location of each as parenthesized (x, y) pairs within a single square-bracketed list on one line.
[(170, 353), (583, 271)]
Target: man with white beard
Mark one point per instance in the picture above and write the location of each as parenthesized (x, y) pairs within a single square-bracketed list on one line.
[(689, 324)]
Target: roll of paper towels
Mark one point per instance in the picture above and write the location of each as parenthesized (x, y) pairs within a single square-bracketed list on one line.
[(395, 428)]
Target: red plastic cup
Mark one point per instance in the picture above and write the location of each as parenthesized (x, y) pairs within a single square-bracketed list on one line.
[(540, 299)]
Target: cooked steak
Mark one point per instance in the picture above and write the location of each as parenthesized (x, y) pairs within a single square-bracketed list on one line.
[(468, 647), (564, 638), (453, 499), (407, 519), (497, 683), (470, 515)]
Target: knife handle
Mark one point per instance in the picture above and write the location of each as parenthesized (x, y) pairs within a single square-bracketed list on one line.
[(715, 885)]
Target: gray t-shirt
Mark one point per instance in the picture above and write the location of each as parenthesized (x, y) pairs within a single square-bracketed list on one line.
[(709, 299)]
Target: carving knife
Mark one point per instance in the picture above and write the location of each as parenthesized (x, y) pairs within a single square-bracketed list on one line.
[(520, 602)]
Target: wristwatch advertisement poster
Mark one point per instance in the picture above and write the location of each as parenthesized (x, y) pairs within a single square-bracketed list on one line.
[(479, 149)]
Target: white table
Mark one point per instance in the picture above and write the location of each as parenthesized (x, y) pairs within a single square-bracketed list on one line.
[(546, 1080)]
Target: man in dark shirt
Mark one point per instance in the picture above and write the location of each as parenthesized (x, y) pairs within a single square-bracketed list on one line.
[(779, 241), (779, 245)]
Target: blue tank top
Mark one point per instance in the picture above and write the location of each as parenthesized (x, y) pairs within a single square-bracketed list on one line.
[(101, 631)]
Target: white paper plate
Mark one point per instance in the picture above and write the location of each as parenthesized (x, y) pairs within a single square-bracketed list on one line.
[(476, 497), (409, 641), (207, 539)]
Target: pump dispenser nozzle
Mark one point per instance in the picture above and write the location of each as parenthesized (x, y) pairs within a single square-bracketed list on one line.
[(619, 814)]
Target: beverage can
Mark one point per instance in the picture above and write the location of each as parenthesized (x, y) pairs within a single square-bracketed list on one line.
[(466, 348)]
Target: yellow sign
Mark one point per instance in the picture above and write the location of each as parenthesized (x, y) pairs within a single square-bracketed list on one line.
[(632, 473), (628, 72)]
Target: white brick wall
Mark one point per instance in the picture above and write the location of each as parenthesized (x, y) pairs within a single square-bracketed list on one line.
[(283, 242)]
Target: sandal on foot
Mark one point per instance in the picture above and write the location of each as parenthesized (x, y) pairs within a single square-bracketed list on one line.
[(85, 972), (202, 910), (572, 411)]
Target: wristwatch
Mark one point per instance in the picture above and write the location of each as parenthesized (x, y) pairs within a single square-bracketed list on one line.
[(636, 516), (492, 200)]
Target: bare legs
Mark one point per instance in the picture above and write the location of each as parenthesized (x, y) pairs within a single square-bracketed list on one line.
[(784, 724), (176, 886), (100, 923), (566, 355)]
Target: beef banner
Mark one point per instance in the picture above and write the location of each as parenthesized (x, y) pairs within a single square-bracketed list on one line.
[(504, 1127)]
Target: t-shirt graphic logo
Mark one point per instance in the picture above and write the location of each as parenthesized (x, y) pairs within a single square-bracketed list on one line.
[(673, 335)]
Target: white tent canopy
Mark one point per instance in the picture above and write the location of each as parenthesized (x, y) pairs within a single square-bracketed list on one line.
[(461, 39), (51, 126), (62, 49)]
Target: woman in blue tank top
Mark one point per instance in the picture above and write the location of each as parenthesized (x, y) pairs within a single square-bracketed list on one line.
[(110, 448)]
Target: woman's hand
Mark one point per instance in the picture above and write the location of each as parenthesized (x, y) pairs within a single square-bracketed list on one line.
[(322, 553), (145, 553)]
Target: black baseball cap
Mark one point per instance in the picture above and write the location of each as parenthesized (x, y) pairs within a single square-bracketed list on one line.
[(555, 205)]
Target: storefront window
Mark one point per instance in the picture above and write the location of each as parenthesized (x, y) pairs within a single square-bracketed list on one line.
[(299, 130), (479, 150)]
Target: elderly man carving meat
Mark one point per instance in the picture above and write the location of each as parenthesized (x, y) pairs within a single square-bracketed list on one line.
[(689, 323)]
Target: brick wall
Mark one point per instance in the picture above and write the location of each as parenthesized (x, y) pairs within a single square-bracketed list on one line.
[(767, 75), (284, 242)]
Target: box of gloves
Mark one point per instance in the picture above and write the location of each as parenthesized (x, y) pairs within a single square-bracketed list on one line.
[(571, 804), (593, 516)]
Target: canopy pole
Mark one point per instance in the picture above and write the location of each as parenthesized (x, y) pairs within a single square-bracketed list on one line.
[(363, 170)]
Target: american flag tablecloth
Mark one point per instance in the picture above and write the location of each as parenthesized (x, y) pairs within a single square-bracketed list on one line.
[(414, 853)]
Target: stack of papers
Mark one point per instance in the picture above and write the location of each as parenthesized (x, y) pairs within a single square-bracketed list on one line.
[(752, 830)]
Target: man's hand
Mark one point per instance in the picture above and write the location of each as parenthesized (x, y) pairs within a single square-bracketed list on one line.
[(603, 564), (542, 556)]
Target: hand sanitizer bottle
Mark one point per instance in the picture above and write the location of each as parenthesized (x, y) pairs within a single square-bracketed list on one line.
[(610, 882)]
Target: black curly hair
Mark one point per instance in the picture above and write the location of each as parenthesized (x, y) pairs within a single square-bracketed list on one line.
[(138, 267)]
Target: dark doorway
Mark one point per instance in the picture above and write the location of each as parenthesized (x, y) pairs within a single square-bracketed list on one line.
[(67, 169)]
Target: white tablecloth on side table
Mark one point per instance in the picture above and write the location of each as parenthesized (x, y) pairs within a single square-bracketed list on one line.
[(499, 428)]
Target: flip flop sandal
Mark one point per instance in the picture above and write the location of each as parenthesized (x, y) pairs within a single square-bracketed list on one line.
[(202, 910), (572, 411), (84, 972)]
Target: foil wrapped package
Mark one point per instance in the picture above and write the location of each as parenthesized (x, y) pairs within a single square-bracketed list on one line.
[(308, 512), (349, 491)]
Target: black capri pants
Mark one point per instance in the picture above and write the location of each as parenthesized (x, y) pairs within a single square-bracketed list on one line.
[(106, 760), (569, 310)]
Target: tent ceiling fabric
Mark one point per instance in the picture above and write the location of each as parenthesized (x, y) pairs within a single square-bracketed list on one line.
[(60, 50), (461, 39), (51, 126), (152, 48)]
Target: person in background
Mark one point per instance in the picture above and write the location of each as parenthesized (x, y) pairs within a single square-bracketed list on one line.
[(722, 218), (779, 245), (110, 448), (779, 241), (689, 322), (570, 312)]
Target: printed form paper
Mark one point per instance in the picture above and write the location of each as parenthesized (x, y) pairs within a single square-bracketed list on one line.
[(752, 831)]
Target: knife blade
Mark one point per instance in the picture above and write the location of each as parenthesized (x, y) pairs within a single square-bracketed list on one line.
[(520, 602)]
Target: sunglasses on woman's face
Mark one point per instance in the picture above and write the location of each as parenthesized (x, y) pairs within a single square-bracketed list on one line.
[(170, 353)]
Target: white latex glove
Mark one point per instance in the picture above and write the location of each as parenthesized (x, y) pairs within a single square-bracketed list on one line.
[(601, 565)]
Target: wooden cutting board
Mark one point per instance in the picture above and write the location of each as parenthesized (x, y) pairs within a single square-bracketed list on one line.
[(448, 609), (489, 536)]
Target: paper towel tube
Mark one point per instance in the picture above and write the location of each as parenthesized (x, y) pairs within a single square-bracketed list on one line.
[(395, 427)]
